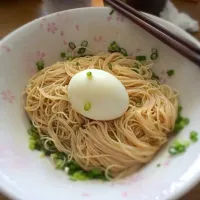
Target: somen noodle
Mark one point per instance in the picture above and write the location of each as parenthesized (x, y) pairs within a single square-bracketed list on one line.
[(119, 147)]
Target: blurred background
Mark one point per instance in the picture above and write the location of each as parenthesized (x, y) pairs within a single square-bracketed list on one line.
[(15, 13)]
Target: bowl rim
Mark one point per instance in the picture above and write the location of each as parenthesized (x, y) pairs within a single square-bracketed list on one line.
[(11, 190)]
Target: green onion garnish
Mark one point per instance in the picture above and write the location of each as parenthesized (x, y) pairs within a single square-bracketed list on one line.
[(123, 52), (170, 72), (62, 54), (79, 175), (87, 106), (72, 45), (110, 66), (32, 144), (158, 165), (59, 164), (181, 122), (178, 148), (73, 167), (111, 12), (110, 49), (60, 159), (81, 51), (84, 43), (77, 64), (89, 75), (115, 47), (154, 56), (40, 65), (141, 58), (193, 136)]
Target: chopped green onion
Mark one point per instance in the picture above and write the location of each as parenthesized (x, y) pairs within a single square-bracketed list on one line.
[(193, 136), (154, 56), (33, 132), (60, 159), (40, 65), (62, 54), (110, 66), (54, 156), (73, 167), (141, 58), (178, 148), (89, 75), (84, 43), (32, 144), (181, 122), (179, 125), (123, 52), (158, 165), (115, 47), (110, 49), (154, 50), (111, 12), (172, 151), (49, 145), (170, 72), (59, 164), (79, 175), (77, 64), (81, 50), (72, 45), (87, 106)]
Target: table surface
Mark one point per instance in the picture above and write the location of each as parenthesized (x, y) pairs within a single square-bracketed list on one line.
[(15, 13)]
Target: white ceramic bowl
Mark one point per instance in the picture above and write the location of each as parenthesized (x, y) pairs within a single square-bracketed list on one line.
[(23, 174)]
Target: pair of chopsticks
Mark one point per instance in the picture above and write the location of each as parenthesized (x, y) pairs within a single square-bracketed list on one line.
[(178, 43)]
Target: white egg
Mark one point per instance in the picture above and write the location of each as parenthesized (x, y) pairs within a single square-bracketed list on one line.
[(100, 96)]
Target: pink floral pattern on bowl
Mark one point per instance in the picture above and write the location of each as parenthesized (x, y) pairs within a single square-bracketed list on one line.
[(8, 96), (6, 48), (51, 27)]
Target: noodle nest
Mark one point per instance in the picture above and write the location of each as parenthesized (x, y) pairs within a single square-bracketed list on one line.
[(119, 147)]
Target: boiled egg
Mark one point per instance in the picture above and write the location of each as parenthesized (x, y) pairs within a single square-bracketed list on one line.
[(98, 95)]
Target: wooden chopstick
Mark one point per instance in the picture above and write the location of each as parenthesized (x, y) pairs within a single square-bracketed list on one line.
[(145, 18), (187, 49)]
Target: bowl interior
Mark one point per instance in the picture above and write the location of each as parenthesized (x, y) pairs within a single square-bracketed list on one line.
[(27, 176)]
